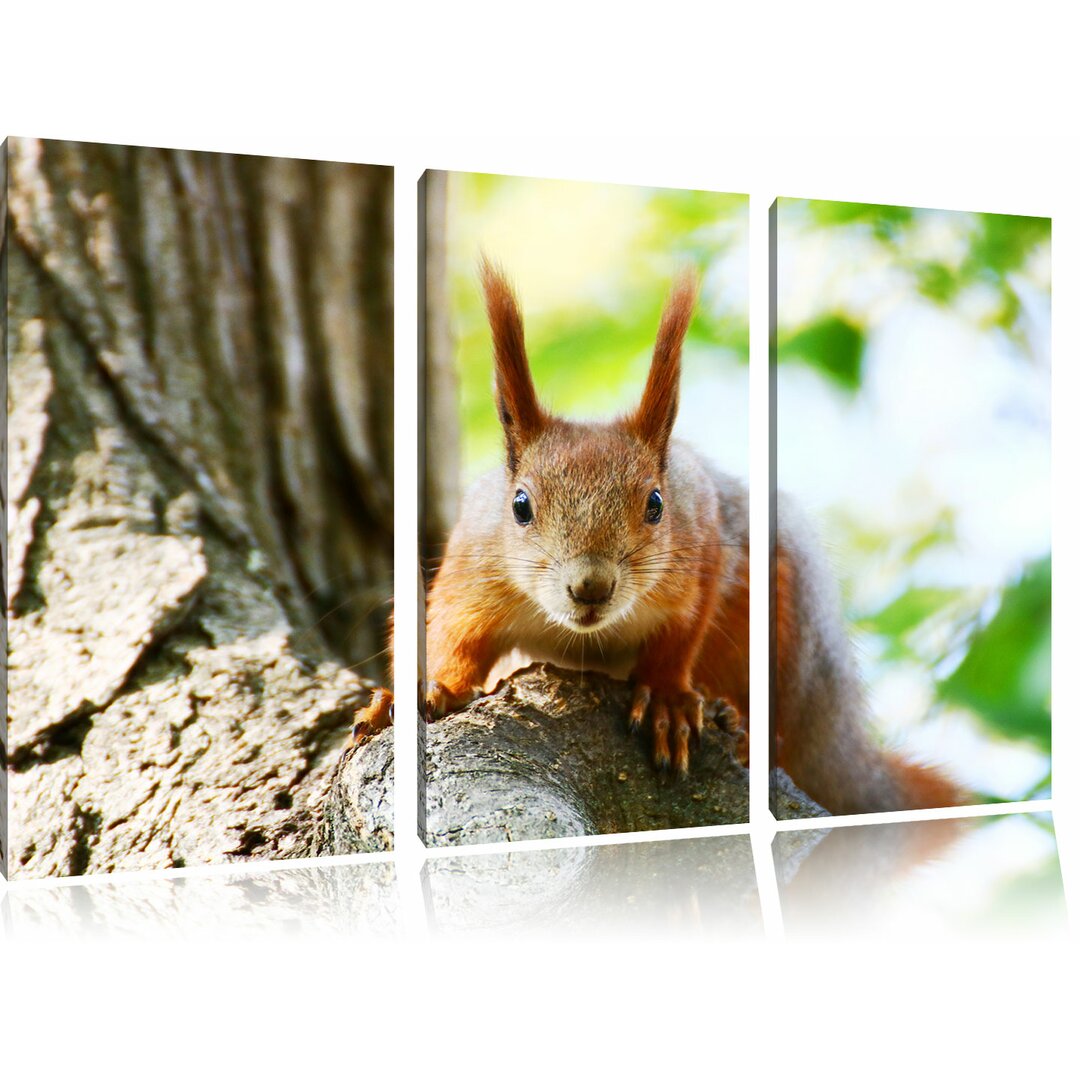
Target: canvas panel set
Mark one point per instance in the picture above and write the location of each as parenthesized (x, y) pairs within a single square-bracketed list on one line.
[(199, 481)]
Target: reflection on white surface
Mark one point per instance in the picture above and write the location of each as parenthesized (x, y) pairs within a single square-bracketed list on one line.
[(695, 885), (990, 876), (323, 899)]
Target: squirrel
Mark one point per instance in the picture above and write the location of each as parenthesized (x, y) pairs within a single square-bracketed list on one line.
[(616, 547)]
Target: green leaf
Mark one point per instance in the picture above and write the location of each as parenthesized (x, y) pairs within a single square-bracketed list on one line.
[(936, 281), (910, 610), (1005, 676), (1041, 789), (1004, 241), (833, 345)]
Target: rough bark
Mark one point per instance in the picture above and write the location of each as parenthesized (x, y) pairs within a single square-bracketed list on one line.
[(787, 801), (199, 486), (358, 814), (4, 786), (549, 755)]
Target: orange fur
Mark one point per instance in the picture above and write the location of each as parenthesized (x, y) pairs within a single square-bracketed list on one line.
[(722, 667), (655, 417), (519, 409), (785, 647), (376, 716)]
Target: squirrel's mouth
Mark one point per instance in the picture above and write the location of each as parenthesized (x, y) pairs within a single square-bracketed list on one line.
[(590, 617), (582, 620), (588, 601), (587, 619)]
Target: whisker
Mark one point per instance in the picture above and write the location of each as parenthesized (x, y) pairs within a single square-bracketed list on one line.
[(313, 626), (365, 661)]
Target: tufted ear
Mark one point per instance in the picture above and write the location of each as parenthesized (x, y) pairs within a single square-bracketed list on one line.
[(655, 415), (515, 396)]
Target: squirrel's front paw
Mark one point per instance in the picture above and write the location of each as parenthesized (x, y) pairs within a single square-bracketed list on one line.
[(440, 701), (377, 716), (676, 718)]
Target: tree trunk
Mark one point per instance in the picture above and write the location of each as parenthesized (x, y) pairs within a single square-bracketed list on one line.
[(200, 492), (440, 437)]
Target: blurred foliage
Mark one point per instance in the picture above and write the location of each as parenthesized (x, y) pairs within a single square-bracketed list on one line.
[(886, 222), (1003, 675), (985, 651), (898, 621), (589, 346), (990, 250)]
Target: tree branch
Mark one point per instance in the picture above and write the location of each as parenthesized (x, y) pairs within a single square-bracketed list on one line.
[(549, 755)]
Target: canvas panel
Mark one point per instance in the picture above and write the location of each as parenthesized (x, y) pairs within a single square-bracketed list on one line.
[(199, 486)]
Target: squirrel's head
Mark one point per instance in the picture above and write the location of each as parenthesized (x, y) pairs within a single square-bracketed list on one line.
[(586, 525)]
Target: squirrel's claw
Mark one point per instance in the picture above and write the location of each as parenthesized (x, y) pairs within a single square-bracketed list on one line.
[(639, 705), (377, 716), (661, 723), (677, 719), (440, 701), (728, 719), (680, 737)]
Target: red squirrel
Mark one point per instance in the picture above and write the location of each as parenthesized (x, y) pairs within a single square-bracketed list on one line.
[(615, 547)]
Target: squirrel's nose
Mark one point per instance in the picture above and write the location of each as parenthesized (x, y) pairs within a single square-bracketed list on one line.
[(592, 590)]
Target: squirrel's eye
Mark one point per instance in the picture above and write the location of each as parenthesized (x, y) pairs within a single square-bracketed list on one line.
[(523, 513), (654, 508)]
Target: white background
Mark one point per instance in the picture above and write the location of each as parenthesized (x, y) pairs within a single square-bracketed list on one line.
[(920, 104)]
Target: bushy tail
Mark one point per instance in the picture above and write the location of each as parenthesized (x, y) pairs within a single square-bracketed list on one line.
[(858, 776), (821, 731), (922, 786)]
